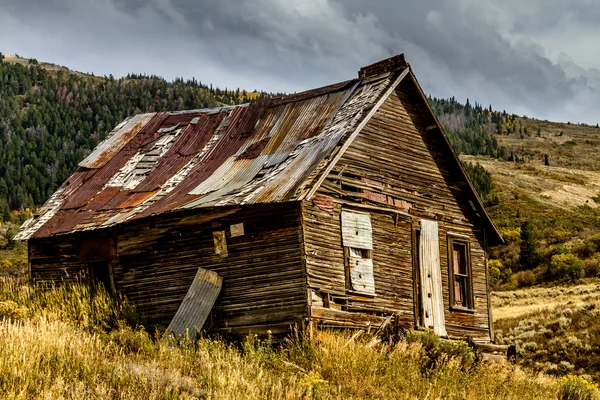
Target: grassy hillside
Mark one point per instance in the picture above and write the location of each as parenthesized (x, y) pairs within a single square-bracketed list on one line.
[(71, 343), (547, 195), (555, 329)]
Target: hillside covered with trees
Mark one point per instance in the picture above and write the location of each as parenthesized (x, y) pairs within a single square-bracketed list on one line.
[(49, 120)]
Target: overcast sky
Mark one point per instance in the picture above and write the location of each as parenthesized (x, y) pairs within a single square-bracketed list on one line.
[(535, 57)]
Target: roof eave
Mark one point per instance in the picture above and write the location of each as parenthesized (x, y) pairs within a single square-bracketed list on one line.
[(496, 233)]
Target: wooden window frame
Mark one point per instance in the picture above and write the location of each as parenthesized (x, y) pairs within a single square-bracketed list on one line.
[(470, 306)]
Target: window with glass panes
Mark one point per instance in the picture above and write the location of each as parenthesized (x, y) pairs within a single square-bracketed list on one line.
[(461, 293)]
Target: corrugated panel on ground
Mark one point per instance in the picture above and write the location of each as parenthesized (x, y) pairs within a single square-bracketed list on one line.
[(197, 304)]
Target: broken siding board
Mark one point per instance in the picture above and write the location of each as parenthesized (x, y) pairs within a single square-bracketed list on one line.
[(197, 304)]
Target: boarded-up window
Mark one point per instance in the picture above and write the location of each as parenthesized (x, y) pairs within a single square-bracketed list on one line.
[(358, 251), (236, 229), (461, 293)]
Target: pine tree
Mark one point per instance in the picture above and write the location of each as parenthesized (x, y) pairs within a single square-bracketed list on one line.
[(529, 257)]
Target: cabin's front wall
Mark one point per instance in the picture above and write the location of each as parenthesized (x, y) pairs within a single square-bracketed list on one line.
[(155, 261), (327, 277), (398, 171)]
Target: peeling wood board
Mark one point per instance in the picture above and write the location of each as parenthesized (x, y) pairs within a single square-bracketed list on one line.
[(197, 304), (220, 243), (357, 230), (431, 277), (236, 229)]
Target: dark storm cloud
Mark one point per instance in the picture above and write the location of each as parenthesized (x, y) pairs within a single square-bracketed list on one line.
[(530, 57)]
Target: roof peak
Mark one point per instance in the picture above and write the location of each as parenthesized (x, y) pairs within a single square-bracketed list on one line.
[(380, 67)]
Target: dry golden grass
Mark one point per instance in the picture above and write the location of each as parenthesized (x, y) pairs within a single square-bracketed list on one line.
[(551, 186), (555, 329), (68, 343), (518, 303)]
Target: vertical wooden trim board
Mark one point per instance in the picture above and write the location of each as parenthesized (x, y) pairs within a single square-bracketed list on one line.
[(431, 277)]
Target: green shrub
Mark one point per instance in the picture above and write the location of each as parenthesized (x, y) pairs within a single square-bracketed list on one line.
[(556, 249), (592, 267), (498, 272), (584, 249), (593, 242), (576, 388), (566, 266), (525, 278), (439, 351)]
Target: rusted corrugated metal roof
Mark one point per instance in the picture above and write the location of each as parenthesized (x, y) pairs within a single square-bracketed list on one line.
[(116, 140), (161, 162)]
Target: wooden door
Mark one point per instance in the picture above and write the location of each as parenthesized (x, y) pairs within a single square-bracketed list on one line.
[(430, 278)]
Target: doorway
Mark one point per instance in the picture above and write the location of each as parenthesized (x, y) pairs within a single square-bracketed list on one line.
[(429, 302), (100, 273)]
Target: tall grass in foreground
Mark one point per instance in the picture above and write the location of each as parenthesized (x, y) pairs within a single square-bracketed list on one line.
[(69, 343)]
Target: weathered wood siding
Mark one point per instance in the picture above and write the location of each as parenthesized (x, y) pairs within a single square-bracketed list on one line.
[(400, 166), (54, 261), (326, 277), (264, 284)]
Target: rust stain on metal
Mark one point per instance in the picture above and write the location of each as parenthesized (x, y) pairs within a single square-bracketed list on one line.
[(261, 152), (115, 141)]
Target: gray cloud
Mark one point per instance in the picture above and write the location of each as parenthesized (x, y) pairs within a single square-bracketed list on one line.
[(537, 58)]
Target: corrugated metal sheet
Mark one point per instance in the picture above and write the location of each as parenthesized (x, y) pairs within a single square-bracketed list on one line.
[(197, 304), (257, 153), (361, 274), (356, 230)]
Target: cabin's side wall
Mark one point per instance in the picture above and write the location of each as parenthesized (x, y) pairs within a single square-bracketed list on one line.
[(263, 277), (264, 284), (399, 170), (54, 261)]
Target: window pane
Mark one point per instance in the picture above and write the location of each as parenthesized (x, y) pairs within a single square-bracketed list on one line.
[(460, 258), (358, 253), (456, 260), (461, 291), (458, 293)]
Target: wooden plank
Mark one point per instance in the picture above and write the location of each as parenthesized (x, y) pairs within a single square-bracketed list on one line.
[(431, 277), (197, 304)]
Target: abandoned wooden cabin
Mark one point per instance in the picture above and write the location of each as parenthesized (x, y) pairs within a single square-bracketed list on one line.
[(335, 207)]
